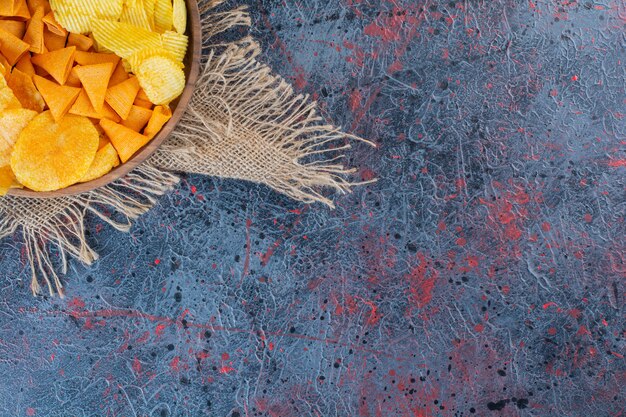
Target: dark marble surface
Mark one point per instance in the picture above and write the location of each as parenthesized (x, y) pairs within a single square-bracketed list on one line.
[(482, 275)]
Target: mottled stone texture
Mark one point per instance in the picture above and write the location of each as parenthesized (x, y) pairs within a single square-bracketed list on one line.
[(482, 275)]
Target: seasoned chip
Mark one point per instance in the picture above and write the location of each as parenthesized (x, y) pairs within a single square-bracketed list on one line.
[(25, 65), (119, 75), (15, 27), (91, 58), (54, 26), (20, 9), (81, 42), (125, 140), (122, 96), (137, 118), (160, 116), (180, 16), (58, 97), (12, 47), (34, 32), (12, 122), (49, 156), (122, 38), (7, 98), (25, 91), (161, 78), (83, 107), (95, 79), (106, 159), (6, 179), (56, 63), (52, 41)]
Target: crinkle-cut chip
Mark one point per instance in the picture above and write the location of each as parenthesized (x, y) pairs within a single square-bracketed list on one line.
[(6, 179), (16, 27), (25, 91), (123, 39), (51, 155), (106, 159), (95, 79), (12, 122), (137, 118), (52, 41), (160, 116), (52, 25), (119, 75), (34, 32), (56, 63), (81, 42), (135, 14), (12, 47), (163, 15), (7, 98), (26, 66), (59, 98), (91, 58), (83, 107), (122, 96), (179, 19), (76, 15), (176, 44), (126, 141), (137, 58), (161, 78), (148, 6), (4, 65)]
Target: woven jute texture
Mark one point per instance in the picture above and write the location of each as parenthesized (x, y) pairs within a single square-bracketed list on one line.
[(243, 122)]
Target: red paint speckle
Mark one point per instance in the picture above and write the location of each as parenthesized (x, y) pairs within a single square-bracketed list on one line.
[(479, 327), (136, 365), (157, 261), (587, 217), (552, 331), (354, 102), (30, 411), (225, 356)]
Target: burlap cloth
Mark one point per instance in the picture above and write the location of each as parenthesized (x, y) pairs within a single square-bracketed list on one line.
[(243, 122)]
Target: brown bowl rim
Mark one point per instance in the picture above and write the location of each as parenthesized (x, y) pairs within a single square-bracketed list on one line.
[(193, 55)]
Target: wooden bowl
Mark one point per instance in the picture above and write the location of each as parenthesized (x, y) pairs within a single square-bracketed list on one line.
[(192, 68)]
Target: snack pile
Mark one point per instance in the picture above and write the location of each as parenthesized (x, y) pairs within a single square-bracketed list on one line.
[(85, 84)]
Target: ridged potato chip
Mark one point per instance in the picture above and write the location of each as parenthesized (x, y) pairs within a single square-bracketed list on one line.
[(76, 15), (161, 78), (49, 156), (135, 14), (179, 16), (176, 44), (122, 38), (136, 59)]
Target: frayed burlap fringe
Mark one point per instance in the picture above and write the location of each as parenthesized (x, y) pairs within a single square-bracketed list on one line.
[(242, 122)]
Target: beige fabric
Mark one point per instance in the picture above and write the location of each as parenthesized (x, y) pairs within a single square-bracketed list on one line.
[(243, 122)]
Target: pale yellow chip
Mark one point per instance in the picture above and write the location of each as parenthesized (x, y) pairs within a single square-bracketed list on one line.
[(122, 38), (163, 15), (106, 159), (49, 156), (161, 78), (148, 6), (136, 59), (135, 14), (179, 16), (76, 15), (176, 44), (12, 122)]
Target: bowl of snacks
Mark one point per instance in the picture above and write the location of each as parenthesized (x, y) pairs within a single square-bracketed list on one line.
[(89, 89)]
